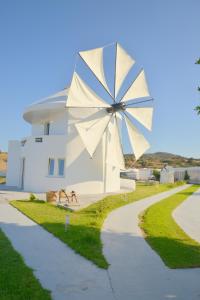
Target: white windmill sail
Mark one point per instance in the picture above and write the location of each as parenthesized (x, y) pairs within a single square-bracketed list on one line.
[(138, 88), (81, 95), (94, 59), (124, 63), (143, 114), (115, 155), (92, 128), (138, 142)]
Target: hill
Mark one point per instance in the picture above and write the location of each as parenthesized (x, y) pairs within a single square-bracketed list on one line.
[(3, 161), (159, 159), (150, 160)]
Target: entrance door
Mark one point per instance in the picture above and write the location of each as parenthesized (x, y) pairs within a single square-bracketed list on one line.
[(23, 173)]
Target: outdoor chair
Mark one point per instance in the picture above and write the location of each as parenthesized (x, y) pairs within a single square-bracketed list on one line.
[(70, 197)]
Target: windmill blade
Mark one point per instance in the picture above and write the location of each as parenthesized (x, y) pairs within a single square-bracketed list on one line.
[(137, 89), (81, 95), (142, 114), (124, 63), (94, 60), (92, 129), (115, 155), (138, 142)]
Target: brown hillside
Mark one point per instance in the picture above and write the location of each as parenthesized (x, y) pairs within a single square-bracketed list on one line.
[(3, 161), (159, 159), (150, 160)]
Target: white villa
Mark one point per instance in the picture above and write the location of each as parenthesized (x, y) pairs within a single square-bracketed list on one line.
[(193, 172), (167, 175), (54, 157), (143, 174)]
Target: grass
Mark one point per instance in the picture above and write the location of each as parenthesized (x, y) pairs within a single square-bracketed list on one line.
[(172, 244), (84, 231), (17, 281)]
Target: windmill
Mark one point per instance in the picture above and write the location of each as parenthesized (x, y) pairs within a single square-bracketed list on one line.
[(105, 122)]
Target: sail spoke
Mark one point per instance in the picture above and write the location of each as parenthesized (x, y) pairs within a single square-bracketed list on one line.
[(142, 114), (81, 95), (94, 60), (92, 129), (138, 142), (138, 88), (124, 63)]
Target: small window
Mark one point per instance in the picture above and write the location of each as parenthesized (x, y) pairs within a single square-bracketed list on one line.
[(46, 128), (61, 167), (38, 140), (51, 166)]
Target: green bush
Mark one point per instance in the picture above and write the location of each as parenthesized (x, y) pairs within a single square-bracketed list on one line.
[(156, 173), (32, 197), (186, 176)]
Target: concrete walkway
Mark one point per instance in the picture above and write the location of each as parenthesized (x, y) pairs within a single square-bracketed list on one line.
[(187, 215), (136, 271), (67, 275)]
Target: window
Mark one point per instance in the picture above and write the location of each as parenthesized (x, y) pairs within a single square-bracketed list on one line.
[(61, 167), (51, 166), (46, 128), (38, 140)]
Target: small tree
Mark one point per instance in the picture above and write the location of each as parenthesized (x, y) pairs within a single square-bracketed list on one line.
[(197, 108), (156, 174), (186, 176), (32, 197)]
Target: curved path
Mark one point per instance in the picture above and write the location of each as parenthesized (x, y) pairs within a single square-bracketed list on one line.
[(66, 274), (136, 272), (187, 216)]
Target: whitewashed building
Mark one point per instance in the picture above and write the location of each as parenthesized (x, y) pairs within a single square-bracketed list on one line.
[(193, 172), (54, 156), (142, 174), (167, 175)]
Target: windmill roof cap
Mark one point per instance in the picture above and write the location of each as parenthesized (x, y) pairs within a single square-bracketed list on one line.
[(45, 109)]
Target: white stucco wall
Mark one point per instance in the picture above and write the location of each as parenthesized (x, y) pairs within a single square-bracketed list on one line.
[(83, 174), (167, 175), (13, 176)]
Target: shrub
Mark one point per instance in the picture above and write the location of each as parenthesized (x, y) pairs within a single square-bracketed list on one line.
[(186, 176), (32, 197), (156, 174)]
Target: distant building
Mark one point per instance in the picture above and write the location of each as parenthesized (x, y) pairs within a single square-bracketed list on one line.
[(167, 175), (193, 172), (138, 174)]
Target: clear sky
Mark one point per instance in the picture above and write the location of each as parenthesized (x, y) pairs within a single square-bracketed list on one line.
[(39, 40)]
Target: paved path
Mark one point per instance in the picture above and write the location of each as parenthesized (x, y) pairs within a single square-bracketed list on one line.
[(136, 271), (187, 215), (68, 275)]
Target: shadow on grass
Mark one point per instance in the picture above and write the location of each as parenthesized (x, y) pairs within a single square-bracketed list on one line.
[(131, 258), (88, 242)]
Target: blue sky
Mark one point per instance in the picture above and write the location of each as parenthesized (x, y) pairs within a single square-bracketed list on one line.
[(39, 41)]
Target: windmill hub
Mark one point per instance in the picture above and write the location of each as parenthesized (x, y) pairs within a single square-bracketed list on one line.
[(116, 107)]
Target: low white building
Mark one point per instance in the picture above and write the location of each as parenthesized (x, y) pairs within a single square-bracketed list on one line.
[(142, 174), (167, 175), (54, 157), (193, 172)]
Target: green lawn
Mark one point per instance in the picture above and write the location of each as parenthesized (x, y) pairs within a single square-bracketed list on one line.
[(174, 246), (17, 281), (83, 234)]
